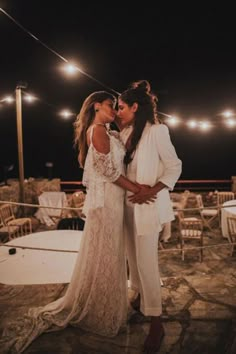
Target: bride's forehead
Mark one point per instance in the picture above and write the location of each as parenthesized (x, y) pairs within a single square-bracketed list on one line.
[(109, 101)]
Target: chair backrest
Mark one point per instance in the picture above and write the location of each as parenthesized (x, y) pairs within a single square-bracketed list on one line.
[(78, 198), (180, 215), (184, 198), (191, 228), (179, 201), (199, 201), (6, 213), (224, 197), (1, 222), (77, 201)]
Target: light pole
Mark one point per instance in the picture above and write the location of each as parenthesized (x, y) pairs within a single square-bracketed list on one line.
[(19, 87)]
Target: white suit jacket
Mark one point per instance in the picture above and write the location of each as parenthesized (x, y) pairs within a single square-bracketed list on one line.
[(156, 161)]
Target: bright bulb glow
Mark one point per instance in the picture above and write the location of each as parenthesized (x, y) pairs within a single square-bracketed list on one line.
[(71, 69), (173, 121), (192, 124), (227, 114), (8, 99), (66, 114), (204, 125), (230, 122), (29, 98)]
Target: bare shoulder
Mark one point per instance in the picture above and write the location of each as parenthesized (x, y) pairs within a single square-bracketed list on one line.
[(98, 131), (100, 138)]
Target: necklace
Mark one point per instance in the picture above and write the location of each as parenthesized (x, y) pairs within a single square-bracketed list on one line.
[(104, 125)]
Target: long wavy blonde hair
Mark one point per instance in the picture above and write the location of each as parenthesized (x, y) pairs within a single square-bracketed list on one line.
[(84, 119)]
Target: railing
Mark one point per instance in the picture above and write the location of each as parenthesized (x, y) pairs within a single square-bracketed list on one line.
[(204, 184), (190, 184), (71, 186)]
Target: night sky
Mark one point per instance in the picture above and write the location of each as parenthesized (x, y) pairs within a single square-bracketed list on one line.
[(186, 52)]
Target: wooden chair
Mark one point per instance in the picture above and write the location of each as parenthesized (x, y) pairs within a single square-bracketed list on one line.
[(179, 200), (77, 201), (231, 222), (190, 228), (223, 197), (15, 226), (209, 216), (7, 232)]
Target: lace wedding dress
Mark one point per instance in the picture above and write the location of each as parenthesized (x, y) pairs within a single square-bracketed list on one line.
[(96, 299)]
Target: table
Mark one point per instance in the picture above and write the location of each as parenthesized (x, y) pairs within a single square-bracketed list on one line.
[(229, 211), (51, 199), (29, 266)]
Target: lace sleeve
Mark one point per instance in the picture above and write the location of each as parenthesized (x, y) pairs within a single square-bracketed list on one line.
[(105, 166)]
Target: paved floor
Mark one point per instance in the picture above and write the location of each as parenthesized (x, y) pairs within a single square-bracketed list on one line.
[(199, 307)]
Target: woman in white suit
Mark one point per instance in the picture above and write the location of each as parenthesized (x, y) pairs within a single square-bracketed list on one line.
[(150, 160)]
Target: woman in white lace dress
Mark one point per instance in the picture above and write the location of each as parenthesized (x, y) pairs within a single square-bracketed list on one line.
[(96, 298)]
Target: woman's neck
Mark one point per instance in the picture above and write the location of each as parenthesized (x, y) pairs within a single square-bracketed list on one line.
[(99, 123)]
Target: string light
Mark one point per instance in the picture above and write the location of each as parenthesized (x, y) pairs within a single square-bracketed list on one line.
[(7, 99), (230, 123), (56, 53), (171, 120), (66, 113), (29, 98), (227, 114), (192, 124), (204, 125), (71, 69)]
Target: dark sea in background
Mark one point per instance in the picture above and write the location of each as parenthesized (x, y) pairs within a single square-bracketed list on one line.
[(205, 155)]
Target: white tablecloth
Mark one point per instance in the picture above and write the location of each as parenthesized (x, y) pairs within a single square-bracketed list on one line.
[(229, 211), (40, 267), (51, 199)]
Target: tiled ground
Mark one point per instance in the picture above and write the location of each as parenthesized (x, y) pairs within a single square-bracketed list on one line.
[(199, 307)]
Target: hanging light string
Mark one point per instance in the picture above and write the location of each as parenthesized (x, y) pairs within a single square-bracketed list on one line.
[(170, 119), (56, 53), (51, 105), (30, 98)]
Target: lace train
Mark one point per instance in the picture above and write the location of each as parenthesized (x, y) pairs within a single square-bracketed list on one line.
[(96, 298)]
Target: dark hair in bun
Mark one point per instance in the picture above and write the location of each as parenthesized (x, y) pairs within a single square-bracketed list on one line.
[(140, 92), (142, 85)]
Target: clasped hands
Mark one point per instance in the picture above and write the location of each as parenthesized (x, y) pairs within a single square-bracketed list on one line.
[(146, 194)]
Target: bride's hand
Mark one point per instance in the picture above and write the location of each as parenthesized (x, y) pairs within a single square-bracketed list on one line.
[(145, 195)]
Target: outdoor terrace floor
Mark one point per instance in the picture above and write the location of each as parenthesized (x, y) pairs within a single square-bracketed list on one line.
[(199, 307)]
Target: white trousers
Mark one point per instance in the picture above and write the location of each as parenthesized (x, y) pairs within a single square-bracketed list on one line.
[(142, 254)]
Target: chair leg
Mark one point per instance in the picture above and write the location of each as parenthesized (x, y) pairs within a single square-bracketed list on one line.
[(231, 248), (201, 250), (182, 249), (207, 223)]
